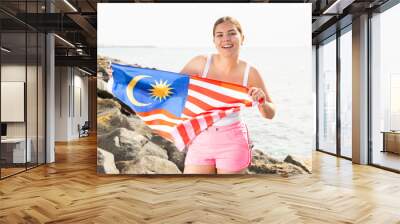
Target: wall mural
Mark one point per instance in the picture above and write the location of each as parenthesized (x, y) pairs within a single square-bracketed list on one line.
[(219, 93)]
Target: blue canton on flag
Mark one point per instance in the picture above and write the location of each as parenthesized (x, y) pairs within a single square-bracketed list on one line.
[(146, 89)]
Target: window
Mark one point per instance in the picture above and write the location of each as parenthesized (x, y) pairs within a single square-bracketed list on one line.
[(327, 96), (385, 88), (346, 93)]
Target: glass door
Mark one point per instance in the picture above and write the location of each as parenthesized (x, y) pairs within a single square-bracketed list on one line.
[(327, 96), (13, 103)]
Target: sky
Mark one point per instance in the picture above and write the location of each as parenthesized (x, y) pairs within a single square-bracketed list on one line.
[(190, 25)]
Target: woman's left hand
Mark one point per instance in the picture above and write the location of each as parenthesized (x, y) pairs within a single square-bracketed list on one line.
[(257, 94)]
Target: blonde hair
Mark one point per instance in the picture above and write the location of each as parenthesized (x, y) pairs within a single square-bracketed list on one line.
[(232, 20)]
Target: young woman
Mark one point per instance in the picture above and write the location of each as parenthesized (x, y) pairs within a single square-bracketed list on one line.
[(224, 147)]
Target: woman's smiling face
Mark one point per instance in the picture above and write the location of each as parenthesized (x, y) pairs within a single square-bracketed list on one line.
[(227, 38)]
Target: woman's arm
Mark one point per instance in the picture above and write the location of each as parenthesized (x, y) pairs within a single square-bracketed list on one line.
[(258, 92)]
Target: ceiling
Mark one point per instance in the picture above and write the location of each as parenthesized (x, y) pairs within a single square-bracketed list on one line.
[(76, 22)]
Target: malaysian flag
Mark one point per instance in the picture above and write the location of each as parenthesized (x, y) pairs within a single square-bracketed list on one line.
[(176, 106)]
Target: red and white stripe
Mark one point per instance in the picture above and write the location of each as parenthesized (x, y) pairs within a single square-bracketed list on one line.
[(208, 101)]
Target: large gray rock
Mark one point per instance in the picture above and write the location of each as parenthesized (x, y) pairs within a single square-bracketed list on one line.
[(112, 118), (148, 165), (259, 155), (108, 120), (174, 154), (264, 164), (123, 143), (298, 162), (105, 162), (104, 94), (151, 149), (284, 169), (106, 105), (133, 122)]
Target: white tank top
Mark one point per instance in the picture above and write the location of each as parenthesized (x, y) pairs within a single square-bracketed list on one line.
[(234, 117)]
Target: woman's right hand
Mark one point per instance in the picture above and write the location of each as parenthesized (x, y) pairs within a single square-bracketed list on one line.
[(258, 95)]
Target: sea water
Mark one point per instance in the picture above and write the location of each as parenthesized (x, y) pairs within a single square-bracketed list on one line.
[(288, 77)]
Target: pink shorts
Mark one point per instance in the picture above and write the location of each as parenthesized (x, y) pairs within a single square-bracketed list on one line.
[(225, 147)]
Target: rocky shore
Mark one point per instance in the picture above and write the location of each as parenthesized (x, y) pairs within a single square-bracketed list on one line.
[(127, 146)]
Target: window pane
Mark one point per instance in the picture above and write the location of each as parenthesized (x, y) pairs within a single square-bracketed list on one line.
[(346, 94), (395, 102), (31, 97), (327, 96)]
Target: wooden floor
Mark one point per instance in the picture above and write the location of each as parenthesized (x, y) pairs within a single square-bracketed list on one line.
[(10, 171), (70, 191)]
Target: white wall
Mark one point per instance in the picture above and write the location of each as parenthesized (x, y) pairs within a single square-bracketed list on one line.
[(70, 84), (12, 73), (80, 109), (61, 103)]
